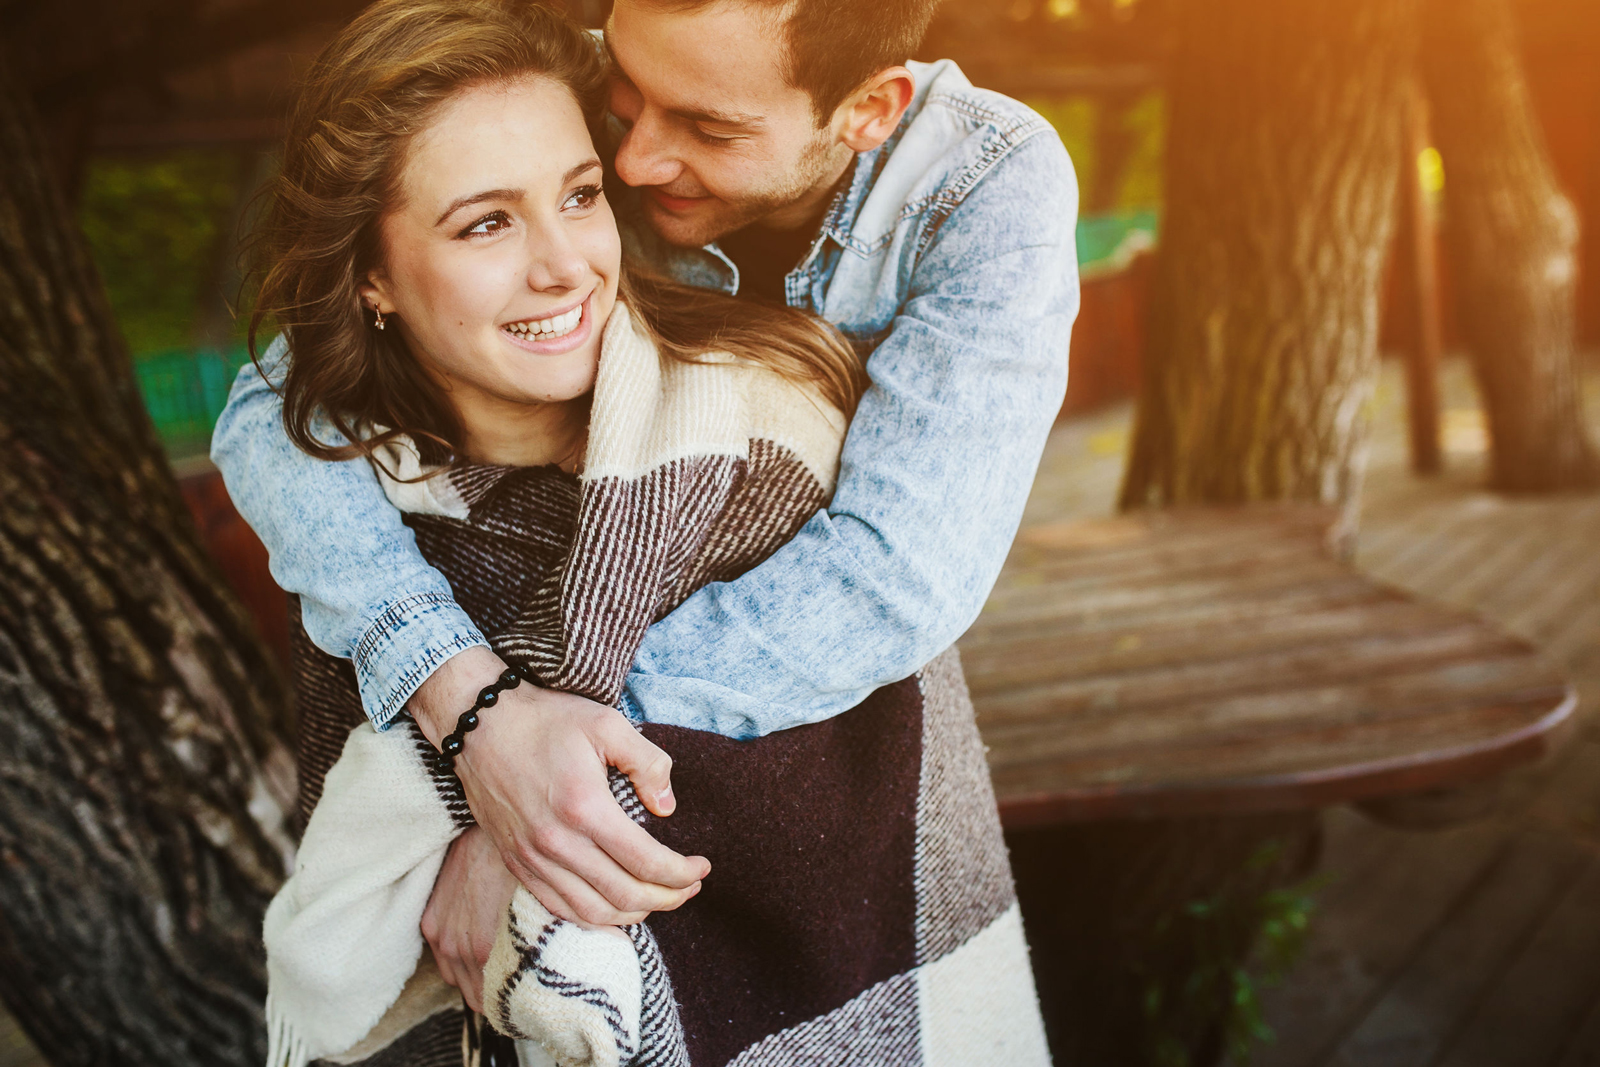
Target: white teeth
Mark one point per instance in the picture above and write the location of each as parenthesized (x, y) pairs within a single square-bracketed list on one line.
[(546, 329)]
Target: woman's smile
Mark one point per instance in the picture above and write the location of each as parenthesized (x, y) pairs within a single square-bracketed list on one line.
[(556, 333)]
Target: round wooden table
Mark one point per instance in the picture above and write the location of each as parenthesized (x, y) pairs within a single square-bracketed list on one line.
[(1219, 661)]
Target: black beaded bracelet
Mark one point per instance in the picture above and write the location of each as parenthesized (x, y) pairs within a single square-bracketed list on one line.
[(488, 697)]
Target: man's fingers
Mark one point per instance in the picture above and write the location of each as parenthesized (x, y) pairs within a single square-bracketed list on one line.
[(599, 832), (542, 800), (458, 971), (602, 892), (629, 894), (688, 895), (459, 977), (585, 902), (640, 855), (553, 902), (649, 768), (471, 987)]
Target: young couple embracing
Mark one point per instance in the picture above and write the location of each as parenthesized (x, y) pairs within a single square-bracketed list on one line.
[(651, 414)]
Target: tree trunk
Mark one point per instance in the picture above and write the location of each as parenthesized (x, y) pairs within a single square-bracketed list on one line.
[(141, 723), (1286, 123), (1512, 241)]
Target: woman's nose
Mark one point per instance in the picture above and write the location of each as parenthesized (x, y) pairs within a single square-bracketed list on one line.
[(645, 156), (554, 262)]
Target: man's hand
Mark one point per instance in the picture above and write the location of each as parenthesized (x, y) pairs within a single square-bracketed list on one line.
[(471, 894), (534, 773)]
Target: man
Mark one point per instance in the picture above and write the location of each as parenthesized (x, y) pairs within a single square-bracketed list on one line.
[(783, 150)]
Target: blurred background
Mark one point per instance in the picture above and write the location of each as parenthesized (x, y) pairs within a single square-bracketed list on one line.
[(1396, 216), (164, 136)]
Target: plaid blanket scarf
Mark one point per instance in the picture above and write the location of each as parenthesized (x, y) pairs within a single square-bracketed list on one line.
[(860, 908)]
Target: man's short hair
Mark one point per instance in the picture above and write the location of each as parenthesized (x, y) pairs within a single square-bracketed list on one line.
[(835, 45)]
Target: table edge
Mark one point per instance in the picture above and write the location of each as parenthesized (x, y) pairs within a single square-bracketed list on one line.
[(1314, 789)]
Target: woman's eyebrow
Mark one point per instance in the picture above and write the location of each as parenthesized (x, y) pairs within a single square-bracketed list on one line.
[(510, 194), (478, 198)]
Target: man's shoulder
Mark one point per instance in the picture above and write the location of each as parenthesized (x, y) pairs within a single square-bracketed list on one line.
[(946, 97), (955, 136)]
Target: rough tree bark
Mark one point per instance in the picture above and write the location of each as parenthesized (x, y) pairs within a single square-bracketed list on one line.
[(1512, 241), (1284, 142), (141, 723)]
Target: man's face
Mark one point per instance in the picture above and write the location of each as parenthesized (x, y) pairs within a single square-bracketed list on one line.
[(719, 139)]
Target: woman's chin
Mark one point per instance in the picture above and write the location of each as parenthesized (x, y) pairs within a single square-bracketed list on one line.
[(559, 392)]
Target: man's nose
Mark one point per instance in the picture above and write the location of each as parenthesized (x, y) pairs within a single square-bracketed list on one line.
[(645, 156)]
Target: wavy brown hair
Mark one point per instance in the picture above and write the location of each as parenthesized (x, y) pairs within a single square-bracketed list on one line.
[(374, 87)]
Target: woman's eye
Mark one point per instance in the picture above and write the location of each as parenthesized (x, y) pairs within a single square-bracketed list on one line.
[(493, 222), (585, 197)]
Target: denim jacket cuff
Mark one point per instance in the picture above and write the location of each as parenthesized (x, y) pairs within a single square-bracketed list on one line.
[(410, 640), (630, 707)]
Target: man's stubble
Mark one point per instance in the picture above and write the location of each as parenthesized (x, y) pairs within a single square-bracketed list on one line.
[(817, 167)]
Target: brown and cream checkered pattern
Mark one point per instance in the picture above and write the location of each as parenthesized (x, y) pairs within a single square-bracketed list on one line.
[(860, 908)]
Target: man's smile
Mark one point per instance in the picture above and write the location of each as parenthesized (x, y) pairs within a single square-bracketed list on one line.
[(675, 204)]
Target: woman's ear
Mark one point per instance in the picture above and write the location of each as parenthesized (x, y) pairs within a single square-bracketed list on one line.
[(870, 114), (374, 290)]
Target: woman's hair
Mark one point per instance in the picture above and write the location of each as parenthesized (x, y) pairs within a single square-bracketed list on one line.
[(687, 323), (371, 90)]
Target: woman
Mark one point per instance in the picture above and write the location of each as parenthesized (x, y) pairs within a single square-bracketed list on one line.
[(577, 450)]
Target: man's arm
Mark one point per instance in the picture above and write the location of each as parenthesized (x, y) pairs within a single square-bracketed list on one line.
[(366, 593), (934, 476)]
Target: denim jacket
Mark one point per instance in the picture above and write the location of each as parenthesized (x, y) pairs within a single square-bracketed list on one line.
[(949, 255)]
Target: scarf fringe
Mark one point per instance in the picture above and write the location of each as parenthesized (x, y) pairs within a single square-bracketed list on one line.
[(286, 1046)]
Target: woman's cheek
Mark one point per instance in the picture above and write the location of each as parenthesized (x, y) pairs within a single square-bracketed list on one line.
[(487, 283), (603, 245)]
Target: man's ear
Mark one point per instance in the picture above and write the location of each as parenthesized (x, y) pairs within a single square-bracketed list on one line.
[(867, 118)]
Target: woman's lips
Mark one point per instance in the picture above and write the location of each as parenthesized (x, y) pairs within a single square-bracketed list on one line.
[(556, 346)]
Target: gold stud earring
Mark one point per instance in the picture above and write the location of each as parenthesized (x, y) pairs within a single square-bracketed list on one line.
[(378, 322)]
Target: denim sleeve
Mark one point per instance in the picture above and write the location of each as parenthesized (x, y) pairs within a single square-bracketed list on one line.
[(366, 593), (934, 476)]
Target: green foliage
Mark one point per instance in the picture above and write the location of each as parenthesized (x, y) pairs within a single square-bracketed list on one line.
[(1141, 185), (154, 225), (1209, 959), (1074, 118)]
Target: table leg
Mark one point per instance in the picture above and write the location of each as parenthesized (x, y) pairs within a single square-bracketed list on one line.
[(1136, 927)]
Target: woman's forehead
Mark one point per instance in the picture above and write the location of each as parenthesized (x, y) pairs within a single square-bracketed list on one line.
[(518, 134)]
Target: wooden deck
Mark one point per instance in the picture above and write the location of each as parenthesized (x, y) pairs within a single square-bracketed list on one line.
[(1478, 944)]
